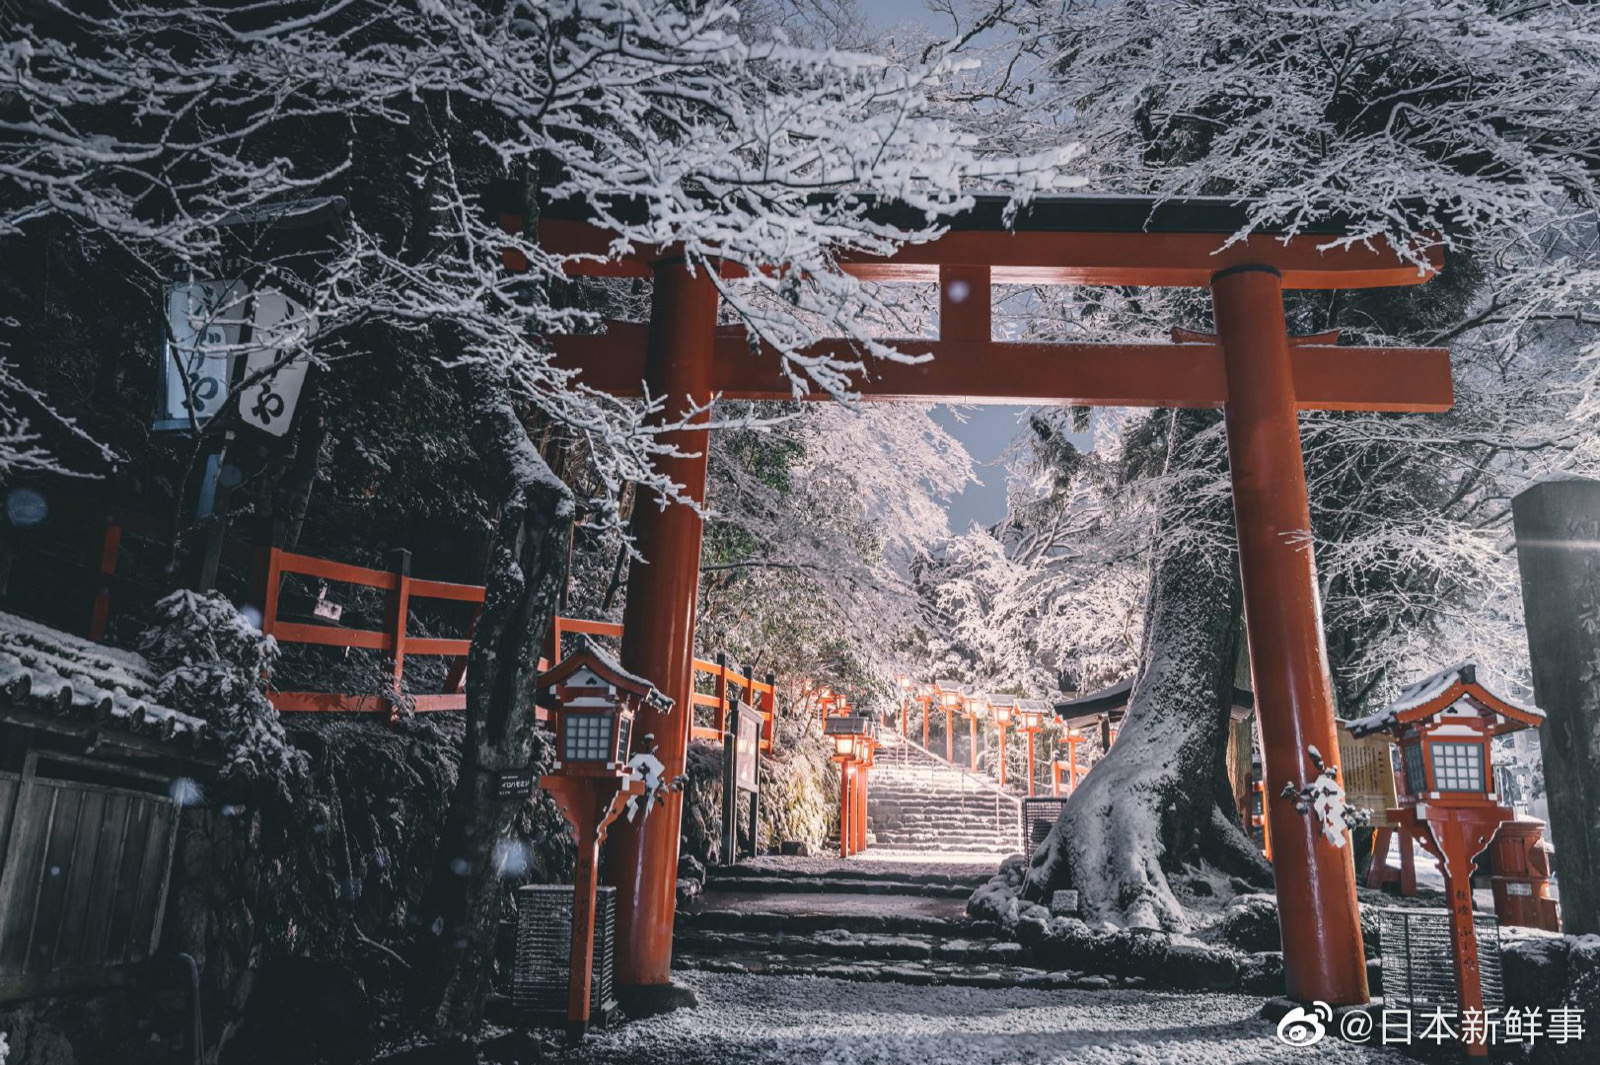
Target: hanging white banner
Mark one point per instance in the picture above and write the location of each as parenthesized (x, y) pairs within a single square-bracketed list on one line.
[(204, 319), (278, 326)]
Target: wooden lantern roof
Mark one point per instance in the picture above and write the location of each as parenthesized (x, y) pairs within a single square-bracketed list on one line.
[(1112, 704), (584, 655), (1449, 688)]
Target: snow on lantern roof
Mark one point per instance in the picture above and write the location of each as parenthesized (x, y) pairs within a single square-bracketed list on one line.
[(1435, 694), (47, 673), (953, 686), (584, 654), (1003, 700), (1037, 706)]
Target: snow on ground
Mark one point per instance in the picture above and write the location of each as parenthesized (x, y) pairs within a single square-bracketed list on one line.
[(832, 904), (915, 863), (745, 1020)]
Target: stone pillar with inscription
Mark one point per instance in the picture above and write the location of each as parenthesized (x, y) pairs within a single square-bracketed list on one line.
[(1558, 552)]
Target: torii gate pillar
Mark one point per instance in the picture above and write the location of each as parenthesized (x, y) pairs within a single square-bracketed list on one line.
[(658, 619), (1316, 886)]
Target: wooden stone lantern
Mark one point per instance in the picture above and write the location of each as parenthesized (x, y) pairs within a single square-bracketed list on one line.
[(853, 744), (592, 701), (1444, 726), (1031, 717)]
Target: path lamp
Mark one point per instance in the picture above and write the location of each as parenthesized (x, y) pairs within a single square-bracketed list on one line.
[(950, 700), (1004, 710), (592, 702), (1031, 717), (851, 749), (1444, 726)]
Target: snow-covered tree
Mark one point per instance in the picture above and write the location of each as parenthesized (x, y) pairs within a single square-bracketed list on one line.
[(1411, 122), (157, 127)]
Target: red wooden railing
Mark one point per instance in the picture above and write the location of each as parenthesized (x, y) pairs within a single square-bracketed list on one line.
[(400, 588), (268, 566)]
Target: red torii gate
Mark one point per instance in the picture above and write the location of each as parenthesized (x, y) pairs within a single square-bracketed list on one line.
[(1252, 370)]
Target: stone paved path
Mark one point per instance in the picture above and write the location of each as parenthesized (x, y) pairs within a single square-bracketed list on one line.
[(803, 1020)]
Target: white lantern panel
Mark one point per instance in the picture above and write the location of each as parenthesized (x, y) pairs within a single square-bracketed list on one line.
[(587, 738), (1457, 766)]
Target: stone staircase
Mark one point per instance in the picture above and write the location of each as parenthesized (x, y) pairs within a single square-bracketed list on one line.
[(862, 920), (919, 804)]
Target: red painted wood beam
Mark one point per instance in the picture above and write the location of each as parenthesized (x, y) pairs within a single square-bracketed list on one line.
[(1077, 375), (1057, 258)]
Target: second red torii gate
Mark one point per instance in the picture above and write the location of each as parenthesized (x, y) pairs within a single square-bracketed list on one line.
[(1252, 370)]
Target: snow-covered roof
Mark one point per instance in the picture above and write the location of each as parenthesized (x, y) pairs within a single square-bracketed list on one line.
[(581, 650), (949, 686), (1438, 692), (1038, 706), (49, 673), (1002, 700), (1112, 702)]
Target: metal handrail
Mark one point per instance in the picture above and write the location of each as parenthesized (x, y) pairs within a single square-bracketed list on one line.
[(987, 783)]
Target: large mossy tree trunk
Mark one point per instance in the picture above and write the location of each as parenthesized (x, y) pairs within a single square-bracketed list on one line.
[(527, 566), (1160, 798)]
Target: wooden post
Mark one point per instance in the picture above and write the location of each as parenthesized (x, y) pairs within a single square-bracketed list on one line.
[(762, 725), (1322, 949), (949, 736), (105, 570), (927, 712), (771, 723), (972, 743), (720, 689), (844, 808), (730, 794), (659, 617), (861, 808), (399, 612), (580, 981), (1030, 763), (590, 805), (1001, 733)]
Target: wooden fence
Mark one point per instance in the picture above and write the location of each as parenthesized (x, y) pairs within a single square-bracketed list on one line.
[(84, 884)]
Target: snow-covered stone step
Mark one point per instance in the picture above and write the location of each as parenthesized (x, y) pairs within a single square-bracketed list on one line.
[(925, 974), (887, 920), (838, 885), (970, 878), (843, 943)]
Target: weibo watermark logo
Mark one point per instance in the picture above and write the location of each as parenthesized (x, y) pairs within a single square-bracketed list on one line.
[(1303, 1028), (1306, 1026)]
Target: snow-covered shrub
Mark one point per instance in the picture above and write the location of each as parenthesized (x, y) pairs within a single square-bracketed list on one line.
[(1251, 923), (215, 665)]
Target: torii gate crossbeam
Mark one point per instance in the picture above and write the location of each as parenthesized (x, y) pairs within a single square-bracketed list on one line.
[(1252, 370)]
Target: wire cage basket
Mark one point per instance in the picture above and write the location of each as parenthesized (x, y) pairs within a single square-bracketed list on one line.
[(1038, 817), (544, 955), (1418, 970)]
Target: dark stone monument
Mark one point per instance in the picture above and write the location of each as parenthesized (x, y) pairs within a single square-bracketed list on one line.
[(1558, 552)]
